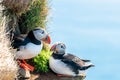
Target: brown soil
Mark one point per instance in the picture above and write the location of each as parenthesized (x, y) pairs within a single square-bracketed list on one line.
[(51, 76)]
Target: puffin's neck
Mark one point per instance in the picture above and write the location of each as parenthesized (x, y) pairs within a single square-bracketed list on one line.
[(57, 55), (33, 39)]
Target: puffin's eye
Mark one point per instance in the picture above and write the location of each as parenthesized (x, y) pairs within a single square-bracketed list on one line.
[(62, 47), (42, 32)]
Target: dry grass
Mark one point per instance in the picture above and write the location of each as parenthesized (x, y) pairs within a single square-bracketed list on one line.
[(8, 67), (18, 6)]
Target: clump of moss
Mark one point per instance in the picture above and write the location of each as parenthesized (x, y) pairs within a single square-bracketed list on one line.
[(41, 61)]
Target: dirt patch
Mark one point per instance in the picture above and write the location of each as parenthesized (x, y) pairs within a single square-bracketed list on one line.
[(51, 76)]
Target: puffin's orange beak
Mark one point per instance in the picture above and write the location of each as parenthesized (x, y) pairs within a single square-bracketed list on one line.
[(53, 47), (47, 39)]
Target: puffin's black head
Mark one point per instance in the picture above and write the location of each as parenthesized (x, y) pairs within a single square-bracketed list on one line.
[(58, 48), (39, 34)]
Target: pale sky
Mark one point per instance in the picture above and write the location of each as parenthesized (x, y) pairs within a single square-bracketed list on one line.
[(91, 30)]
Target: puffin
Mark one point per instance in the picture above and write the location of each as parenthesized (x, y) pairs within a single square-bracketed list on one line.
[(66, 64), (29, 46)]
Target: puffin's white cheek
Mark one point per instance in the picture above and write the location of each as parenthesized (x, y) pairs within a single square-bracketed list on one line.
[(38, 36)]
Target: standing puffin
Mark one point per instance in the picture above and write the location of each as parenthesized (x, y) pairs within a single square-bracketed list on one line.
[(65, 64), (30, 46)]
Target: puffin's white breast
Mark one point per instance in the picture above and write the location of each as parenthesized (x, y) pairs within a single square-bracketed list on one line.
[(30, 50), (60, 67)]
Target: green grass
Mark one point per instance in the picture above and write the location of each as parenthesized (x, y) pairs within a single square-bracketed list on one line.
[(34, 17)]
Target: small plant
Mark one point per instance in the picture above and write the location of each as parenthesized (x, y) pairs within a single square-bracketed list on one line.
[(41, 61)]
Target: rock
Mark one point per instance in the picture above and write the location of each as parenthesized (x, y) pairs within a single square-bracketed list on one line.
[(52, 76), (24, 74)]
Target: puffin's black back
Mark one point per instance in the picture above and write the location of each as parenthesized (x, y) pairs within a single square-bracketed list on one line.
[(23, 40), (32, 38), (20, 41)]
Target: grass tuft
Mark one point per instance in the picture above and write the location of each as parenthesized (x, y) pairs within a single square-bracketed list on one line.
[(34, 17), (8, 67)]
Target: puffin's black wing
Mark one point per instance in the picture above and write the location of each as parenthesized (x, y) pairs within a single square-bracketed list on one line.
[(19, 41), (74, 66), (75, 59), (71, 56), (75, 63)]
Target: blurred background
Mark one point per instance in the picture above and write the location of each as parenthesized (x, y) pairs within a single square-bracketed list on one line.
[(91, 30)]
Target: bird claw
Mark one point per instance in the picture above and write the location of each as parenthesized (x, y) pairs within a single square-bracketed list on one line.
[(25, 66)]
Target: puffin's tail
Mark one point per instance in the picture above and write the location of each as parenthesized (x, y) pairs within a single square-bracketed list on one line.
[(86, 67), (85, 60)]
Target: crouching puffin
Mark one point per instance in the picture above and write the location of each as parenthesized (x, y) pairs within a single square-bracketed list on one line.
[(30, 46), (65, 64)]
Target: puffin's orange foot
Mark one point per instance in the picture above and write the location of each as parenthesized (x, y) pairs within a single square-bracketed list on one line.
[(31, 68), (25, 66)]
